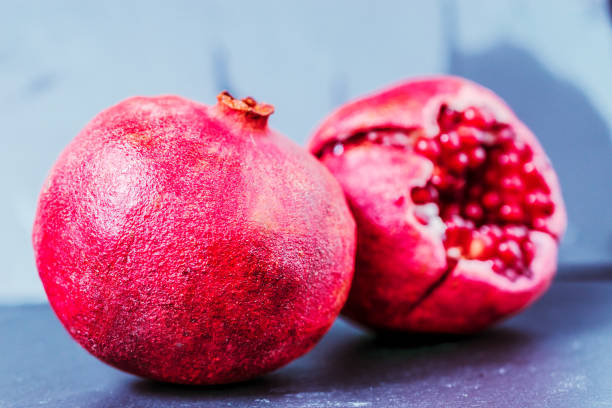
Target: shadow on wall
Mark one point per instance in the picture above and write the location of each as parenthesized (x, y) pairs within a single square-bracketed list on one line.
[(571, 130)]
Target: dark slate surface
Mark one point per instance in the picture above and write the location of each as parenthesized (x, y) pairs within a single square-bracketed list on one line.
[(557, 354)]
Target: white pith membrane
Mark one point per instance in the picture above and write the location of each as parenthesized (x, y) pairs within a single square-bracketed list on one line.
[(485, 194)]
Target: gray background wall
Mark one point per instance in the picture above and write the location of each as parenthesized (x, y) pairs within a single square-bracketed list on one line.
[(62, 62)]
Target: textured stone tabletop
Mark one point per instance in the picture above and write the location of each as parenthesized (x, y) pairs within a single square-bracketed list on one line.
[(557, 354)]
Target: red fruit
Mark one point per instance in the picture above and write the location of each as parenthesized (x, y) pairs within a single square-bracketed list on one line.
[(192, 244), (422, 195), (428, 148), (473, 211), (477, 118), (491, 199), (510, 213), (462, 271), (458, 162), (449, 141), (477, 157)]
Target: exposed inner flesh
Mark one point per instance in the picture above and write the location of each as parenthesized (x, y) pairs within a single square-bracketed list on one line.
[(484, 187)]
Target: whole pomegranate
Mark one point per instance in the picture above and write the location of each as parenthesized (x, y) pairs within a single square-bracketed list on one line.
[(458, 209), (192, 244)]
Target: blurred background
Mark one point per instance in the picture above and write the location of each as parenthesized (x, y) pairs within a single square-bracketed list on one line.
[(62, 62)]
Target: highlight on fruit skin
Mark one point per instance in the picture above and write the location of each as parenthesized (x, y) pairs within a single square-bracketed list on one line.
[(192, 244), (459, 212)]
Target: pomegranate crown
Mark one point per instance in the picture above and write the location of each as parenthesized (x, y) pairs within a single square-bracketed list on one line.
[(247, 105), (247, 111)]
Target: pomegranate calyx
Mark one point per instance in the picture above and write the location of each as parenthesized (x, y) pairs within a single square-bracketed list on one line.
[(247, 111)]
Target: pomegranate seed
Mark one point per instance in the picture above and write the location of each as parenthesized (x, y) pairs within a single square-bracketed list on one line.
[(526, 153), (481, 247), (473, 211), (505, 133), (523, 153), (448, 118), (539, 203), (442, 180), (451, 211), (491, 200), (449, 141), (528, 169), (469, 136), (399, 201), (539, 223), (513, 145), (533, 178), (548, 208), (477, 117), (528, 251), (510, 197), (428, 148), (476, 157), (531, 198), (511, 212), (509, 252), (458, 162), (452, 237), (512, 182), (476, 248), (458, 236), (508, 160), (422, 195)]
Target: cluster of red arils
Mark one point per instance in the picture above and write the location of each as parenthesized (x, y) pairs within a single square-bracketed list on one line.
[(484, 178)]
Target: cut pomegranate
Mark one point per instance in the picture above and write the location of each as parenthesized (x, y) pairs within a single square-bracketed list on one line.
[(485, 199)]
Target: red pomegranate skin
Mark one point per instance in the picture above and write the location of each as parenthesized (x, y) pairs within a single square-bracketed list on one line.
[(405, 278), (192, 244)]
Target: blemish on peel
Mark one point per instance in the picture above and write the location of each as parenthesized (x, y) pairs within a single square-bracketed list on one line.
[(139, 139)]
